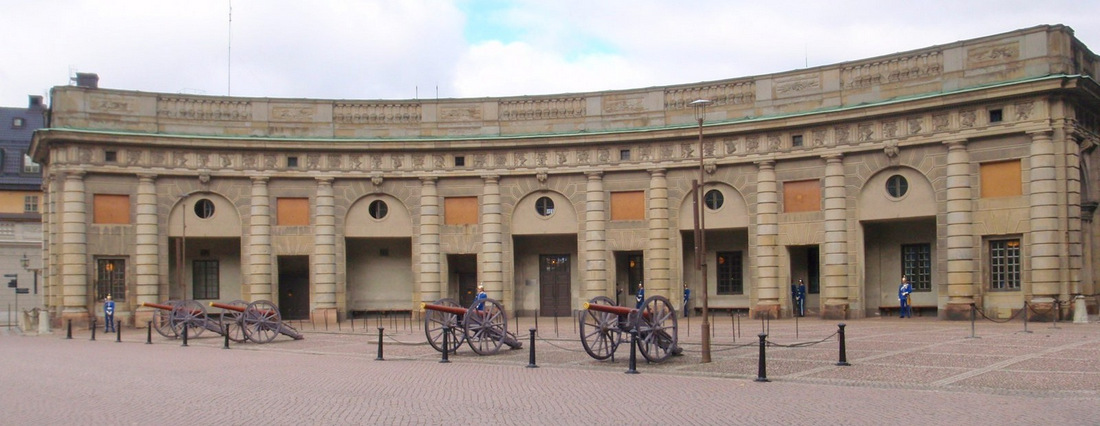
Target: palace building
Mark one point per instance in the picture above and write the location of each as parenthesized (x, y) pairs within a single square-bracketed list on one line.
[(969, 167)]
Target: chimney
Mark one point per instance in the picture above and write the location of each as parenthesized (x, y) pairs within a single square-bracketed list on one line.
[(88, 80), (35, 102)]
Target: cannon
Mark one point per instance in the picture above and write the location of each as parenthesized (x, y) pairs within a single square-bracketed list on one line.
[(258, 321), (484, 326), (604, 323), (171, 318)]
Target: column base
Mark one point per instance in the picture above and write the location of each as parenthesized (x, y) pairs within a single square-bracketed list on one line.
[(956, 312), (835, 312), (79, 317), (322, 316), (1042, 311), (765, 312)]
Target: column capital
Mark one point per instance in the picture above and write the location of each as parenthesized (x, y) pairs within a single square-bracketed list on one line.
[(594, 174), (147, 177), (260, 179), (956, 143), (325, 180), (766, 164), (429, 180), (833, 158), (491, 178), (1040, 134), (74, 174), (657, 171)]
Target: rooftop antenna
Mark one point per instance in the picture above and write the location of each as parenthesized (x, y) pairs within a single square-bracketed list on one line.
[(229, 54)]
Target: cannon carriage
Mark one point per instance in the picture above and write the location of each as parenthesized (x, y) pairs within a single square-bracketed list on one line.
[(603, 325), (484, 326), (258, 321)]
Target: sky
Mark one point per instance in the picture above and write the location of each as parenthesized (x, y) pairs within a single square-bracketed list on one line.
[(426, 49)]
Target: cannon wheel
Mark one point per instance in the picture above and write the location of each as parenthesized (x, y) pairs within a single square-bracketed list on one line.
[(162, 322), (486, 328), (190, 314), (233, 321), (436, 323), (657, 329), (261, 321), (600, 332)]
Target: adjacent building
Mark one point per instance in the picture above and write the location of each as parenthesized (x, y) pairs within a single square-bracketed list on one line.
[(20, 209), (967, 167)]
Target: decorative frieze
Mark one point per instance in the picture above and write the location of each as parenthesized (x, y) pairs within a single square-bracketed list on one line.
[(543, 109), (992, 54), (376, 113), (179, 107), (734, 93), (621, 104), (927, 65), (460, 113), (802, 85)]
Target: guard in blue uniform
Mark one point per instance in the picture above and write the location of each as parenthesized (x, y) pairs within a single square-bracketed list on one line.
[(481, 296), (687, 296), (800, 298), (109, 313), (639, 297), (903, 298)]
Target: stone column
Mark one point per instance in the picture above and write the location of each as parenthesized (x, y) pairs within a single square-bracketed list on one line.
[(74, 249), (595, 238), (492, 247), (147, 248), (259, 242), (1044, 239), (1074, 228), (432, 286), (835, 271), (658, 260), (767, 240), (324, 253), (960, 235)]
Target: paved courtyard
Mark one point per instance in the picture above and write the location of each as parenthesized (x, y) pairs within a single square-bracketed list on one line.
[(913, 371)]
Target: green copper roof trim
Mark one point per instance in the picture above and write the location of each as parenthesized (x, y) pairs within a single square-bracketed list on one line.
[(896, 100)]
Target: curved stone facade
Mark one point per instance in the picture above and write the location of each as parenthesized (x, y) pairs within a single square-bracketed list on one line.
[(964, 165)]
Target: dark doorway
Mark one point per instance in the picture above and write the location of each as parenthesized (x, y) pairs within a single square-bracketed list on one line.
[(463, 269), (554, 285), (294, 287), (630, 272)]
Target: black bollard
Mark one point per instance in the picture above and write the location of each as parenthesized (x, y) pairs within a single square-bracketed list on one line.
[(69, 331), (446, 331), (531, 361), (225, 329), (184, 335), (973, 317), (118, 332), (762, 365), (93, 328), (379, 358), (633, 367), (1025, 317), (843, 353), (352, 317), (149, 333)]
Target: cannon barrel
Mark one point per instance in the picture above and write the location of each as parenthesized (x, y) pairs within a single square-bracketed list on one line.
[(448, 309), (227, 307), (158, 306), (617, 310)]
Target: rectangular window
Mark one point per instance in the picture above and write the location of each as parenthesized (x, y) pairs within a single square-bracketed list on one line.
[(1001, 179), (110, 156), (796, 141), (802, 196), (624, 155), (204, 279), (916, 263), (996, 115), (729, 273), (460, 161), (292, 162), (30, 204), (1004, 265), (292, 211), (110, 209), (460, 211), (29, 166), (110, 279), (628, 205)]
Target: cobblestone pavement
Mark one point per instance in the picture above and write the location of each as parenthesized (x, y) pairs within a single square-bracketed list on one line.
[(918, 371)]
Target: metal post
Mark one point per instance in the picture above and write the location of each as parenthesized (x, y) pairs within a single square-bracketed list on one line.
[(555, 324), (94, 326), (446, 342), (843, 353), (632, 368), (149, 333), (1054, 312), (118, 332), (380, 358), (1026, 307), (531, 361), (185, 327), (352, 322), (796, 326), (762, 367), (69, 331), (225, 329), (973, 317), (325, 314)]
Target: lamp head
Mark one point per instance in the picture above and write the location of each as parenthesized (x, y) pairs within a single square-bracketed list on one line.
[(700, 106)]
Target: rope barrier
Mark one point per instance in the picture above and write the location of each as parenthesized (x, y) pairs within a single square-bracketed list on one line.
[(982, 313), (800, 344)]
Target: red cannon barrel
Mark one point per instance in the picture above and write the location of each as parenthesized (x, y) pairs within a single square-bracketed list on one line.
[(617, 310), (227, 307), (448, 309), (158, 306)]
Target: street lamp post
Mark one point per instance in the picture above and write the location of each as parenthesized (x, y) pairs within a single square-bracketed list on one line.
[(700, 107)]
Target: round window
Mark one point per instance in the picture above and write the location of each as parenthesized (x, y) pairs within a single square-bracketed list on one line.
[(544, 206), (204, 208), (378, 209), (714, 199), (897, 186)]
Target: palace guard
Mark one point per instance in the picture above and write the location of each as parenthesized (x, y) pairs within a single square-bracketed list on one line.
[(109, 313), (904, 289)]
